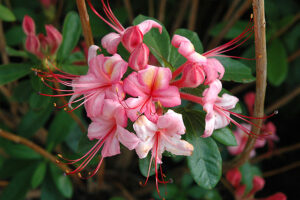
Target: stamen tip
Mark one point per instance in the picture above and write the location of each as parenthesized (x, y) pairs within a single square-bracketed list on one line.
[(275, 112), (251, 16), (79, 175), (59, 155), (57, 161), (171, 180), (54, 104), (141, 183)]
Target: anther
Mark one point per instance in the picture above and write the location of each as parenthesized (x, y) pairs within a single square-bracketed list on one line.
[(275, 112), (59, 155), (54, 104), (251, 16), (57, 161), (79, 175)]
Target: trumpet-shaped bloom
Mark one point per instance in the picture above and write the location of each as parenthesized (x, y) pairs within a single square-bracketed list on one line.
[(164, 135), (41, 45), (109, 130), (131, 37), (103, 81), (149, 86)]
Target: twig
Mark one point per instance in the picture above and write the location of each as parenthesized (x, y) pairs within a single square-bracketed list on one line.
[(150, 8), (261, 77), (281, 31), (282, 169), (241, 88), (3, 183), (161, 12), (39, 150), (4, 56), (275, 153), (244, 7), (282, 101), (294, 56), (193, 15), (85, 22), (129, 10), (182, 7), (227, 185), (125, 192), (229, 12)]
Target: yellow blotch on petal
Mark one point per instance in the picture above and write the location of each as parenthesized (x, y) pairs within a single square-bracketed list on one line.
[(148, 77)]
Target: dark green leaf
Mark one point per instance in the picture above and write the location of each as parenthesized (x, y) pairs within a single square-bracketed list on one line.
[(277, 63), (168, 191), (177, 59), (144, 166), (18, 186), (62, 182), (20, 151), (17, 53), (72, 139), (13, 71), (186, 180), (11, 166), (39, 174), (77, 56), (75, 69), (205, 163), (236, 30), (159, 44), (236, 71), (224, 136), (40, 102), (6, 14), (248, 172), (71, 35), (22, 91), (49, 190), (15, 36)]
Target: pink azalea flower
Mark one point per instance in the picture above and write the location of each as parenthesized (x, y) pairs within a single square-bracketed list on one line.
[(234, 177), (131, 37), (164, 135), (40, 45), (149, 86), (103, 81), (109, 129)]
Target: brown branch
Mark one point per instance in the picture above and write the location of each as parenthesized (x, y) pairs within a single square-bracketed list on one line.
[(281, 170), (150, 8), (3, 183), (243, 8), (284, 29), (284, 100), (193, 15), (182, 7), (124, 191), (39, 150), (276, 153), (227, 185), (229, 12), (162, 9), (4, 56), (294, 56), (241, 88), (261, 77), (85, 22), (129, 10)]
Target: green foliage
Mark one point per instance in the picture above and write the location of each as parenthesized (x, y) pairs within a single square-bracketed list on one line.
[(13, 71), (224, 136), (61, 181), (248, 171), (144, 165), (39, 174), (6, 14), (236, 30), (71, 34)]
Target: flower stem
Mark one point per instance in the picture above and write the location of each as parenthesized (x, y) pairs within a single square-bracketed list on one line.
[(261, 77), (85, 22), (282, 169)]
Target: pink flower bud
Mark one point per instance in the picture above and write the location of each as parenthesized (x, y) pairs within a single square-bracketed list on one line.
[(234, 176), (131, 38), (240, 190), (249, 99), (258, 184), (138, 59), (54, 38), (28, 25), (277, 196), (32, 45), (192, 76)]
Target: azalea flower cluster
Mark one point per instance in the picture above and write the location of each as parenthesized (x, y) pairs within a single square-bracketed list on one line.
[(234, 177), (145, 95)]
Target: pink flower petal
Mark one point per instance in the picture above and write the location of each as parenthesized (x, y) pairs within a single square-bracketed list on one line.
[(132, 86), (138, 59), (98, 129), (111, 146), (147, 25), (171, 122), (28, 25), (54, 38), (131, 38), (127, 138), (92, 53), (227, 101), (110, 42)]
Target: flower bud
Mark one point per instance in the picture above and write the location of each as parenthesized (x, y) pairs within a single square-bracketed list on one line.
[(132, 38), (32, 44), (54, 38), (234, 176), (110, 42), (258, 184), (138, 59), (277, 196), (28, 25)]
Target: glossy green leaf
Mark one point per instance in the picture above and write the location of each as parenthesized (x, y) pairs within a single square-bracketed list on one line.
[(49, 190), (176, 59), (224, 136), (17, 53), (39, 174), (75, 69), (159, 44), (277, 63), (13, 71), (18, 185), (144, 166), (236, 71), (62, 182), (6, 14), (71, 35), (205, 163)]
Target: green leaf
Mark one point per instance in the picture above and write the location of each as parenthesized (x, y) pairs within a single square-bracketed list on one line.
[(22, 91), (18, 186), (248, 171), (62, 182), (38, 175), (6, 14), (59, 129), (49, 190), (236, 71), (75, 69), (71, 35), (39, 102), (15, 36), (159, 44), (144, 166), (11, 166), (17, 53), (168, 191), (176, 59), (205, 163), (13, 71), (21, 151), (236, 30), (277, 63), (224, 136)]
